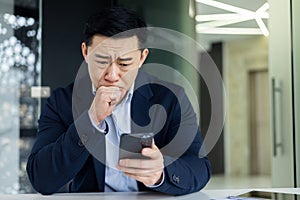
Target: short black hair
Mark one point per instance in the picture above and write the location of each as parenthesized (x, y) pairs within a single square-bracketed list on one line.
[(114, 20)]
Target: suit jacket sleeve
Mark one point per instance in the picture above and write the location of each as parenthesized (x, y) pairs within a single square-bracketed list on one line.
[(58, 152)]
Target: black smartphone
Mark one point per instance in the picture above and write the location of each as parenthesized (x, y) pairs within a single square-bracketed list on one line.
[(264, 195), (131, 145)]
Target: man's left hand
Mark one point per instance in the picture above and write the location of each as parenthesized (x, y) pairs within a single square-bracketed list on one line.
[(148, 171)]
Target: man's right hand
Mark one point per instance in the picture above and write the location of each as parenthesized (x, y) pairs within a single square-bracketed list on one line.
[(104, 102)]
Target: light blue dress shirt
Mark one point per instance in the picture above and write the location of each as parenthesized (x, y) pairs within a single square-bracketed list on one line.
[(118, 123)]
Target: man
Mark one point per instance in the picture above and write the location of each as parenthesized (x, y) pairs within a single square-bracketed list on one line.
[(80, 125)]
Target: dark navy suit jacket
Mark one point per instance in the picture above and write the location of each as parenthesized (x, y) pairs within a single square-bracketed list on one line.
[(69, 151)]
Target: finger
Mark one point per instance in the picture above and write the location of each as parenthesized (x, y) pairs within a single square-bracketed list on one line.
[(109, 96), (112, 103), (141, 163), (138, 178), (115, 93), (152, 180), (115, 96), (153, 153), (109, 100), (108, 88), (139, 172)]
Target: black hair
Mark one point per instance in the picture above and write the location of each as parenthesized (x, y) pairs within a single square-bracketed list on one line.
[(114, 20)]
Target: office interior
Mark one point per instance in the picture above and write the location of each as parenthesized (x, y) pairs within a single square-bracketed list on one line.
[(253, 44)]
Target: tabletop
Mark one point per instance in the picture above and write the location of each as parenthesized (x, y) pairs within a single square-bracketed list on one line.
[(202, 195)]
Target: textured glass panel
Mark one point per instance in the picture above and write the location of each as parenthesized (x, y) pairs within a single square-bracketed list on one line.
[(19, 70), (19, 50)]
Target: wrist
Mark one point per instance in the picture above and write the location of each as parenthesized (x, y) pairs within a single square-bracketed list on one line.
[(100, 126), (159, 182), (93, 117), (160, 179), (92, 112)]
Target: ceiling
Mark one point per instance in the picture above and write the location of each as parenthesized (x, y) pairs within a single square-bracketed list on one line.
[(202, 8), (238, 7)]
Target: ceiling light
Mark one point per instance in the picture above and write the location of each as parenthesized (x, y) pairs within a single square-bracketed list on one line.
[(204, 18), (214, 21), (225, 6), (232, 31), (263, 8), (218, 23), (262, 26)]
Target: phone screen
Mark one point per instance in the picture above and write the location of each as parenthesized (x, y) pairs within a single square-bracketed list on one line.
[(268, 195), (131, 145)]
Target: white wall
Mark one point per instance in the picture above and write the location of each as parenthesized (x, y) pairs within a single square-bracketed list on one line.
[(240, 57)]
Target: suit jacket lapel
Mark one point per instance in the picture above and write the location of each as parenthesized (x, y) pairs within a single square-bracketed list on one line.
[(140, 104), (82, 96)]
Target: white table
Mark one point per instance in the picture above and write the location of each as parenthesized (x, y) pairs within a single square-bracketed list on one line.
[(104, 196), (202, 195)]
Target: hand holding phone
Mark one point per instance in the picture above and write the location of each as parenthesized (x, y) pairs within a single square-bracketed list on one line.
[(131, 145), (148, 171)]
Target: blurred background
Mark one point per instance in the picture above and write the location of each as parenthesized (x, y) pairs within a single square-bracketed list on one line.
[(254, 45)]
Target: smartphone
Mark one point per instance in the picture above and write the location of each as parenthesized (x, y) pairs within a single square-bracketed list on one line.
[(264, 195), (131, 145)]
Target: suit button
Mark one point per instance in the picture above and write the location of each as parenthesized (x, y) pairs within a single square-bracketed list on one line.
[(83, 139), (176, 179)]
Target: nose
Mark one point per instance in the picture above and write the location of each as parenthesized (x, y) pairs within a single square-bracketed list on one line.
[(112, 73)]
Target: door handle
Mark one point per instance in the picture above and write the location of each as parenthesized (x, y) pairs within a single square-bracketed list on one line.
[(275, 90)]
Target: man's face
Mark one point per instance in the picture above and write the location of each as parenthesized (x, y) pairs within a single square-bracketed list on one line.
[(113, 62)]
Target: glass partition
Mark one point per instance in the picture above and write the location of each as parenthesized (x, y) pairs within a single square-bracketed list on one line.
[(236, 35), (19, 71)]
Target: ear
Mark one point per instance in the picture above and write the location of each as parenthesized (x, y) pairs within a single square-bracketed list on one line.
[(144, 55), (84, 51)]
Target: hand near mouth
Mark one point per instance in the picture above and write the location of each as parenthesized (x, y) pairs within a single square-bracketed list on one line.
[(106, 98)]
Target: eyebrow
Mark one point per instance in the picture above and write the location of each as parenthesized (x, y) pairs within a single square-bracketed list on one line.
[(124, 59), (107, 57), (102, 56)]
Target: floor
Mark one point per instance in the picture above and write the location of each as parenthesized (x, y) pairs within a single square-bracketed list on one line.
[(226, 182)]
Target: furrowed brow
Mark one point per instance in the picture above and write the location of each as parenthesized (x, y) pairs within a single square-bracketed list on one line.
[(125, 59), (102, 56)]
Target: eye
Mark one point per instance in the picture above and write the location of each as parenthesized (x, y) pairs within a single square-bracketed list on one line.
[(102, 62), (124, 64)]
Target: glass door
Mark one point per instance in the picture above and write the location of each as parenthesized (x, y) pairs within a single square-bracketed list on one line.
[(296, 68), (241, 30), (19, 70), (281, 93)]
